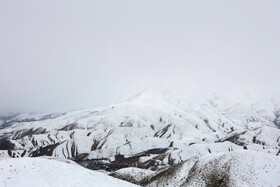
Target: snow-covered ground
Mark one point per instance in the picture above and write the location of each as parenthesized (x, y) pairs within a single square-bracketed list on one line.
[(46, 172)]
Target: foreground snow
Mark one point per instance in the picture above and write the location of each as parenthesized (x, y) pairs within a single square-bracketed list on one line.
[(46, 172)]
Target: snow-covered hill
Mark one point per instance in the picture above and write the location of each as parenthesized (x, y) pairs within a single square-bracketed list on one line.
[(240, 168), (153, 130), (47, 172)]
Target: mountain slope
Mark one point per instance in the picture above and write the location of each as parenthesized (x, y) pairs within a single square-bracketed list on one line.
[(240, 168)]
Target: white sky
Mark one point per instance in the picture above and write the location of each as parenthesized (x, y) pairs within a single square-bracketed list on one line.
[(65, 54)]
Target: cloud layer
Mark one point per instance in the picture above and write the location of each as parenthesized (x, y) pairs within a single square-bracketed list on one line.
[(76, 54)]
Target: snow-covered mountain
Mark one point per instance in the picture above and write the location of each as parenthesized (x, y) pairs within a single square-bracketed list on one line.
[(154, 130)]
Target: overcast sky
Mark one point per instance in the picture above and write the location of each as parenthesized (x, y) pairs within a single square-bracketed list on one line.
[(64, 54)]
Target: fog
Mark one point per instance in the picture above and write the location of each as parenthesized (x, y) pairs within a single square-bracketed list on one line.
[(63, 55)]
